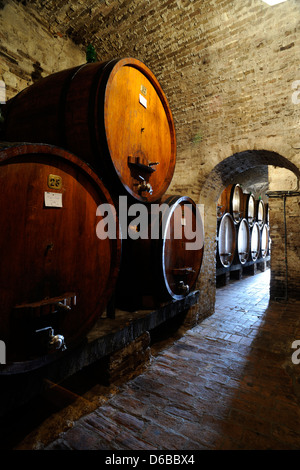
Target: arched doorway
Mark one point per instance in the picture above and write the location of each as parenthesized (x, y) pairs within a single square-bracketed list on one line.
[(247, 166)]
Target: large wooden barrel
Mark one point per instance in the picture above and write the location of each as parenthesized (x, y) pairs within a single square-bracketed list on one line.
[(250, 209), (243, 241), (56, 275), (226, 241), (255, 241), (162, 260), (114, 115), (264, 241), (260, 211), (231, 200)]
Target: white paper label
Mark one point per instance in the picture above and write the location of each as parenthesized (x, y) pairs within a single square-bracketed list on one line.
[(143, 101), (183, 221), (53, 199)]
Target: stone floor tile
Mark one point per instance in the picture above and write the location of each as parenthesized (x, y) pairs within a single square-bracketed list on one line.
[(229, 383)]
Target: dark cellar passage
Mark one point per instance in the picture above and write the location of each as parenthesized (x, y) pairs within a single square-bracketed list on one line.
[(228, 383)]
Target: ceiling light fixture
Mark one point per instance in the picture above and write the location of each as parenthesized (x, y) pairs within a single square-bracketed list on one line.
[(273, 2)]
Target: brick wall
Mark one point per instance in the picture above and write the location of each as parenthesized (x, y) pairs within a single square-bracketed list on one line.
[(30, 48), (285, 248), (229, 70)]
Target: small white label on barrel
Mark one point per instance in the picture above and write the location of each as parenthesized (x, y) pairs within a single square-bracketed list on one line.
[(143, 101), (183, 221), (53, 199)]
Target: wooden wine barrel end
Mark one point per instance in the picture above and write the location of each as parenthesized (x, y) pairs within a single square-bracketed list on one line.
[(243, 241), (231, 200), (226, 241), (260, 213), (141, 141), (165, 264), (114, 115), (255, 242), (223, 203), (55, 272), (250, 209), (267, 214), (264, 243), (183, 245), (236, 203)]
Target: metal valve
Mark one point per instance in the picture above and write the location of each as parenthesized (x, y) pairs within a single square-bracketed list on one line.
[(57, 342), (226, 261), (63, 306), (184, 288), (237, 216), (51, 341), (144, 186)]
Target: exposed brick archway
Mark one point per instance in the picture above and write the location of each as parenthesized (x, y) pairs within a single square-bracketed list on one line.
[(226, 172), (229, 170)]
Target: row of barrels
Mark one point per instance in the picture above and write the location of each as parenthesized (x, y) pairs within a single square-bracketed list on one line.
[(242, 229), (238, 244), (242, 205), (73, 142)]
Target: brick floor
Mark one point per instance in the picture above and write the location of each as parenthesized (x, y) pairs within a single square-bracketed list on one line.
[(228, 383)]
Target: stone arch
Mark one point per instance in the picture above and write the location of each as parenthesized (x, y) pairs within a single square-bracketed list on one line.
[(229, 169), (226, 172)]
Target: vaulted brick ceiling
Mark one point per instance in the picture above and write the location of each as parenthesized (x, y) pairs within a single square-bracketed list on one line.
[(190, 45)]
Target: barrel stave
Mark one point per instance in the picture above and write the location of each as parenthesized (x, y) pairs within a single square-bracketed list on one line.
[(55, 271)]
